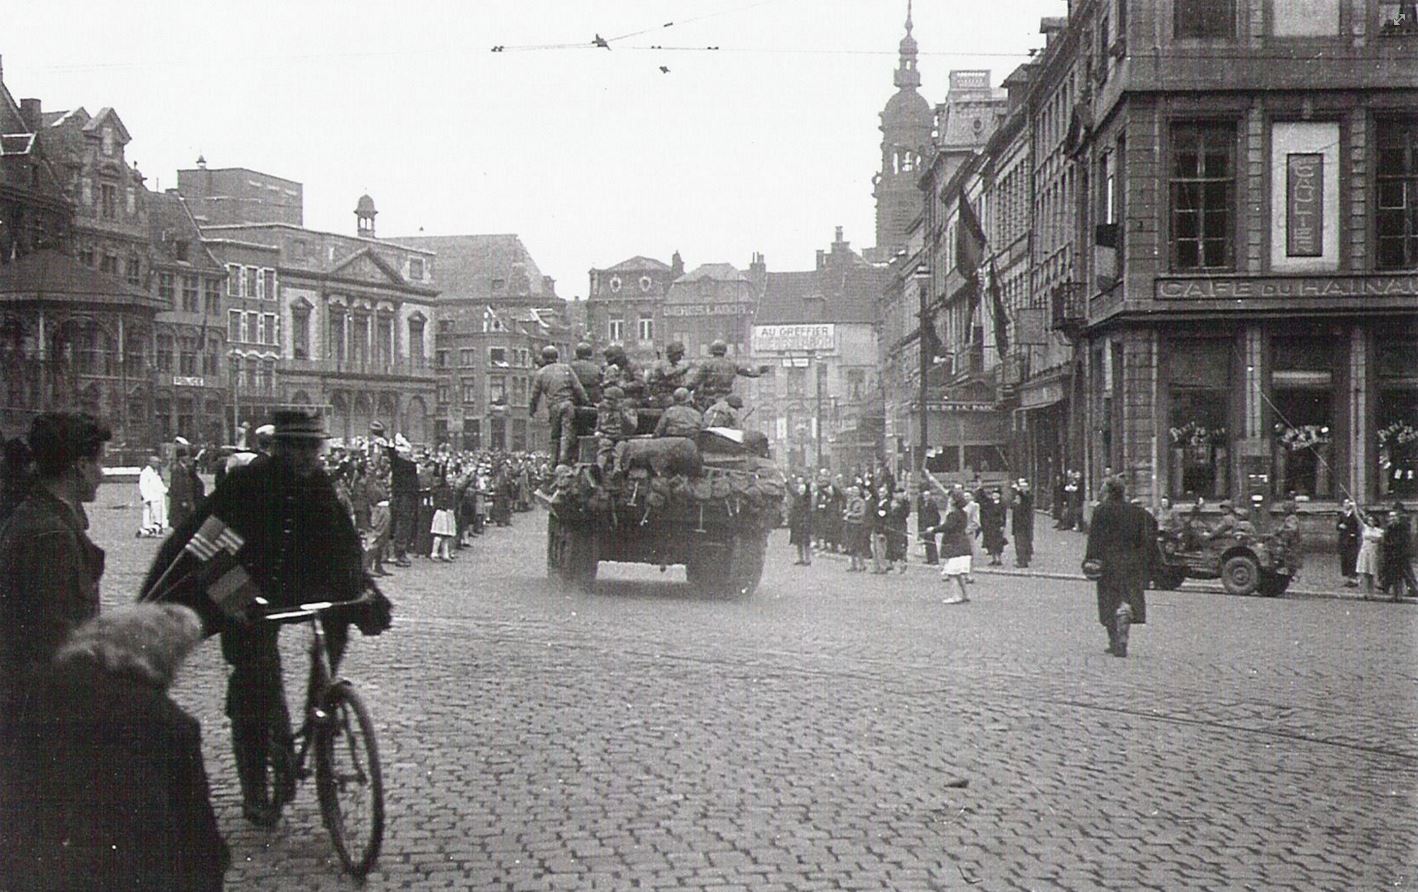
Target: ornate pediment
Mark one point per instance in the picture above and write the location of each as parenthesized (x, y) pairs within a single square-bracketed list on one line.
[(367, 266)]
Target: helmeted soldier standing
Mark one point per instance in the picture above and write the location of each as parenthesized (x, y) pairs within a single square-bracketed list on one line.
[(714, 378), (623, 372), (615, 421), (681, 419), (557, 382), (667, 375), (299, 545), (588, 372), (724, 412)]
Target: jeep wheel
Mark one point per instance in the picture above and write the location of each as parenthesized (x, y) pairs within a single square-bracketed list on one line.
[(572, 556), (1273, 585), (746, 565), (1240, 575)]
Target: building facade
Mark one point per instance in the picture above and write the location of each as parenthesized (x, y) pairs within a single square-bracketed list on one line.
[(353, 321), (816, 331), (221, 196), (1248, 310), (496, 311), (625, 302)]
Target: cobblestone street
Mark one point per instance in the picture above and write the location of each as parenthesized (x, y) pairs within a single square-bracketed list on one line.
[(847, 731)]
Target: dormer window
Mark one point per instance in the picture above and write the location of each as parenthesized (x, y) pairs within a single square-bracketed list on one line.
[(416, 268), (108, 142)]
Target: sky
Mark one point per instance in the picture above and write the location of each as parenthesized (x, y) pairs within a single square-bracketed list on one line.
[(590, 155)]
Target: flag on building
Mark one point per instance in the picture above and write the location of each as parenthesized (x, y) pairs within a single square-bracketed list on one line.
[(970, 247), (998, 311)]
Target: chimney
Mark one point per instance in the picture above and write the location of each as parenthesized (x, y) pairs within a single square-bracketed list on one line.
[(30, 113), (676, 266), (821, 258), (549, 285)]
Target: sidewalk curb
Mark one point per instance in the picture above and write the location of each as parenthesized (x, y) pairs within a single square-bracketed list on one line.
[(1193, 586)]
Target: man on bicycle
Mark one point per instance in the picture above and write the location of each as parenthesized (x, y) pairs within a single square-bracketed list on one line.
[(298, 544)]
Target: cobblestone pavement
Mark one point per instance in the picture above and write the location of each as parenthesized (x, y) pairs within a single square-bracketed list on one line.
[(848, 731)]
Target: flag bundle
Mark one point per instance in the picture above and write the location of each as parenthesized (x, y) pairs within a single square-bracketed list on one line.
[(214, 547)]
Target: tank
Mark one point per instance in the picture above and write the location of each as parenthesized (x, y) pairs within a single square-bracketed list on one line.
[(707, 503)]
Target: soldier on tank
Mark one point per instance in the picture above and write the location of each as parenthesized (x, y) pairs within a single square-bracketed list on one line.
[(680, 419), (714, 378), (667, 375), (588, 372), (623, 372), (615, 421), (557, 381), (724, 412)]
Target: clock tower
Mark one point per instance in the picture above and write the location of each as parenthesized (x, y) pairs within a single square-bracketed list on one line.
[(906, 125)]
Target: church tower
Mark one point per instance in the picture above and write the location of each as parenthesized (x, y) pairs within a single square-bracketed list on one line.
[(906, 125)]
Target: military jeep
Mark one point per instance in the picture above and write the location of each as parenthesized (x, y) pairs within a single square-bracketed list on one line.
[(1246, 563)]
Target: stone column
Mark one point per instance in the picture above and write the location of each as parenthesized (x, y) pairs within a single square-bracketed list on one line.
[(1356, 405)]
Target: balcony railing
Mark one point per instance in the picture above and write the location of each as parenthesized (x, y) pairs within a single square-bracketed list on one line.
[(420, 367)]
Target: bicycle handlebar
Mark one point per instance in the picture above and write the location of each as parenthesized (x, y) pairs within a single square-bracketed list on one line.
[(313, 608)]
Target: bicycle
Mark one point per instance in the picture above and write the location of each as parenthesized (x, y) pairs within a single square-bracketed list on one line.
[(337, 726)]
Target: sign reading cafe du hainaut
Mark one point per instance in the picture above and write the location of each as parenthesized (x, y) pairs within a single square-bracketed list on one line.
[(1237, 288)]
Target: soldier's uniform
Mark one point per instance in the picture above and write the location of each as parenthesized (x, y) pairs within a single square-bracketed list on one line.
[(588, 372), (679, 421), (721, 414), (563, 391), (714, 378), (628, 376), (664, 377), (615, 421)]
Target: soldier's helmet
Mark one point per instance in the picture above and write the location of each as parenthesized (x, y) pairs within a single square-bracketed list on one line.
[(675, 348), (583, 350), (735, 400), (681, 395), (614, 352), (550, 353), (614, 393), (718, 348)]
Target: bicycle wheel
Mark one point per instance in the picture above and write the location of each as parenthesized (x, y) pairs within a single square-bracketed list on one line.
[(348, 779)]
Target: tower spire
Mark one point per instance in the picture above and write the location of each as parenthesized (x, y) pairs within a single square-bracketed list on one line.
[(907, 77), (908, 16)]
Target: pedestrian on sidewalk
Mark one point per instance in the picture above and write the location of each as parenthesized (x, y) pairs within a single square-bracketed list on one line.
[(1021, 523), (880, 521), (443, 527), (1367, 567), (1347, 528), (955, 547), (992, 518), (1396, 555), (897, 518), (1120, 540), (854, 529), (800, 521), (153, 491)]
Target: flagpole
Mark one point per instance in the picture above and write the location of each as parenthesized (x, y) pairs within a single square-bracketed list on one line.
[(922, 280)]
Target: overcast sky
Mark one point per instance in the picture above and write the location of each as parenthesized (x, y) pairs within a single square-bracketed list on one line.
[(592, 156)]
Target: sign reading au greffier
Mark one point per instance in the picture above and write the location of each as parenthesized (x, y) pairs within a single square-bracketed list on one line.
[(782, 338), (1236, 288)]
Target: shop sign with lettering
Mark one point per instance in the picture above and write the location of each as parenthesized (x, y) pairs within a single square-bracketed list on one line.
[(959, 406), (783, 338), (669, 310), (180, 381), (1304, 205), (1236, 288)]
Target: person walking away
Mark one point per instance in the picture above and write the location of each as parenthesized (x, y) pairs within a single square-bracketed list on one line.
[(955, 547), (1347, 529), (1120, 538), (800, 521), (927, 519), (153, 493), (298, 545), (854, 529), (444, 527), (49, 569), (557, 382), (1021, 523), (103, 782)]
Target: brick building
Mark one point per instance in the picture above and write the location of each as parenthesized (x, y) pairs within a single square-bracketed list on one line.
[(712, 302), (496, 311), (625, 302), (218, 196)]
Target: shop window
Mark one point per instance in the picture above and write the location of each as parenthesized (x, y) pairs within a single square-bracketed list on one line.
[(1396, 220), (1302, 397), (1397, 417), (1204, 18), (1203, 196), (1199, 386)]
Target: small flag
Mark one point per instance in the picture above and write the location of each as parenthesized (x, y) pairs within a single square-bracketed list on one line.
[(212, 537), (234, 589)]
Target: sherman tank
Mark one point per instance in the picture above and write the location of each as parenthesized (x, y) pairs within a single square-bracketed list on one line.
[(707, 503)]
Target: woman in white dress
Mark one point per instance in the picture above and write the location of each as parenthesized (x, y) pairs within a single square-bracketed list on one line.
[(1367, 566)]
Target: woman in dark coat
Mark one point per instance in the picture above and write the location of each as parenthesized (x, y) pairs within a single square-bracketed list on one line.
[(992, 518), (1122, 538), (955, 548), (104, 785), (800, 521)]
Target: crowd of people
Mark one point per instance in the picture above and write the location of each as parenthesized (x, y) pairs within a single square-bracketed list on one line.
[(866, 516)]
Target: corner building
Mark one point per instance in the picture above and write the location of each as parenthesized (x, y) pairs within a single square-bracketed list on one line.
[(1247, 292)]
